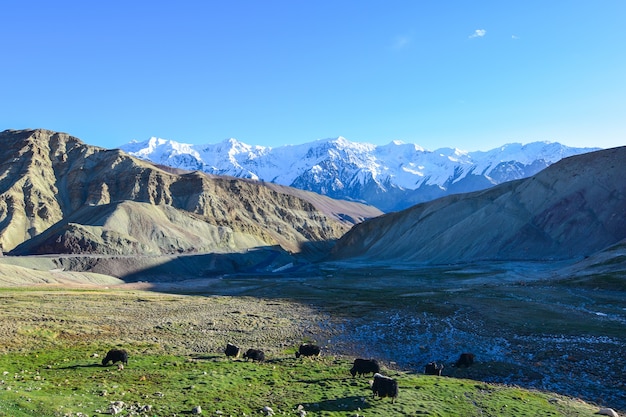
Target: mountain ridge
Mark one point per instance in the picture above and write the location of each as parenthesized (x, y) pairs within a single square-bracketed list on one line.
[(60, 195), (569, 210), (391, 177)]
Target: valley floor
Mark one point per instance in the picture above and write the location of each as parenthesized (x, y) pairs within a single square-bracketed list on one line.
[(527, 326)]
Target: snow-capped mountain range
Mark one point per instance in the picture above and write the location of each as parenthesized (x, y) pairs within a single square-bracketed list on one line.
[(390, 177)]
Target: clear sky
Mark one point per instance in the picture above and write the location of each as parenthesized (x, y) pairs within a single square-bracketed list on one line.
[(466, 74)]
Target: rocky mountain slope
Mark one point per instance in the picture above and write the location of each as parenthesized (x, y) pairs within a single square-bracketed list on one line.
[(59, 195), (571, 209), (391, 177)]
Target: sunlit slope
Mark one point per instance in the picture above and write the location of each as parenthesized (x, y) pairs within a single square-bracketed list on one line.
[(77, 198), (571, 209)]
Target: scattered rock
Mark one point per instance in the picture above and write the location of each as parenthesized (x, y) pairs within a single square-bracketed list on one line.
[(267, 411), (115, 407), (196, 410), (607, 412)]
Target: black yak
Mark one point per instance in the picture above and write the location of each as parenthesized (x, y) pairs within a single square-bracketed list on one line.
[(433, 369), (466, 359), (364, 366), (308, 349), (232, 350), (383, 386), (255, 355), (115, 355)]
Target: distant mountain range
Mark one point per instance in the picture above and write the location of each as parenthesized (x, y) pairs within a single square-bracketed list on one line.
[(390, 177), (59, 195)]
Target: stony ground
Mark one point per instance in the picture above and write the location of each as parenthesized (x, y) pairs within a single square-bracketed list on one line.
[(176, 323)]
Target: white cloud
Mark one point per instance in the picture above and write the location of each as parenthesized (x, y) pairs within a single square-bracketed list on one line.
[(401, 42), (514, 37), (478, 33)]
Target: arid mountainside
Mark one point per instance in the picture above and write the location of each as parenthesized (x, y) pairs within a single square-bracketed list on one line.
[(59, 195), (571, 209)]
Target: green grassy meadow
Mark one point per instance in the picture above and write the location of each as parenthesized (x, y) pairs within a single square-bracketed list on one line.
[(52, 344), (71, 382)]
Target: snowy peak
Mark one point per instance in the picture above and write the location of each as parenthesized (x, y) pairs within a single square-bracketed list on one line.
[(158, 149), (235, 147), (390, 177), (547, 151)]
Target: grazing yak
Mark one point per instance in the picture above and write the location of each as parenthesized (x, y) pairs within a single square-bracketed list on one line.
[(115, 355), (308, 349), (254, 355), (433, 369), (232, 350), (364, 366), (383, 386), (466, 359)]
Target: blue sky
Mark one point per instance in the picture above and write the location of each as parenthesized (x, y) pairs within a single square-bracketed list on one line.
[(466, 74)]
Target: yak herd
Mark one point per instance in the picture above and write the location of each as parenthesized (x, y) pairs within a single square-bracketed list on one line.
[(382, 386)]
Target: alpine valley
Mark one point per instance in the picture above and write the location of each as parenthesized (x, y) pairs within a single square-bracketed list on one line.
[(516, 255), (390, 177)]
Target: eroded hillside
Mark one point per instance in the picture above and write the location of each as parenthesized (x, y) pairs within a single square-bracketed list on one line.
[(76, 198), (571, 209)]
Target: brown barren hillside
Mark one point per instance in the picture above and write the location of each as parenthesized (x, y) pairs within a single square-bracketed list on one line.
[(59, 195), (571, 209)]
